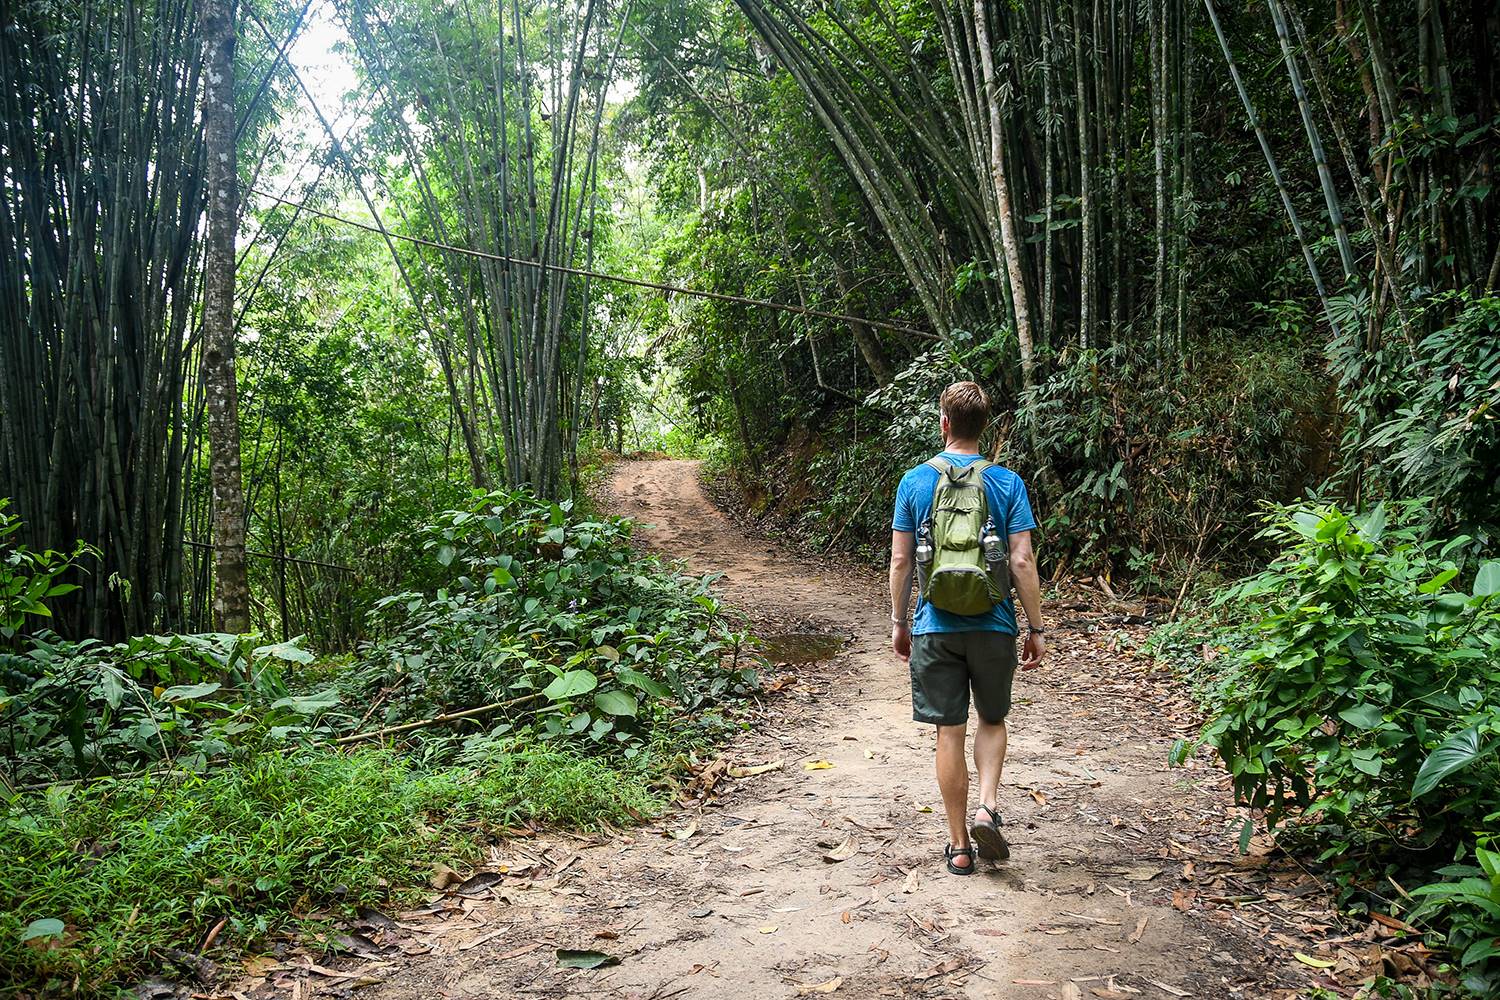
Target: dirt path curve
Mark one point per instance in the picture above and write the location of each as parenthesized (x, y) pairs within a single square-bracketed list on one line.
[(749, 905)]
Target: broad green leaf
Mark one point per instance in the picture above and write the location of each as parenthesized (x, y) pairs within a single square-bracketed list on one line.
[(309, 704), (615, 702), (188, 692), (1453, 754), (112, 687), (567, 958), (570, 685), (1363, 716), (1487, 580), (1447, 608), (1367, 760), (446, 554), (650, 685), (1439, 581), (288, 651), (47, 927)]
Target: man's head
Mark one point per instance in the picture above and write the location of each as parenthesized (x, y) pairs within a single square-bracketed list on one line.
[(965, 409)]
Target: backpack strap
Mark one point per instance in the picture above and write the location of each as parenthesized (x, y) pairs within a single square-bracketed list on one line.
[(943, 467), (984, 465)]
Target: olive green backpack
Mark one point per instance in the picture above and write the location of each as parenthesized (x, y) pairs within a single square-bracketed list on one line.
[(963, 562)]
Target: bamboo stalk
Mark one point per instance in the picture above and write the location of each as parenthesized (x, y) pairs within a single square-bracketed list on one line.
[(1314, 141), (1265, 148)]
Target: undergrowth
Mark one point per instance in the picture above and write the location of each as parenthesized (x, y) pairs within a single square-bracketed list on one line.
[(204, 787), (106, 882), (1352, 687)]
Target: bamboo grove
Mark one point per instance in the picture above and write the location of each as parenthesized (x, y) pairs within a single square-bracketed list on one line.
[(1114, 196), (117, 361)]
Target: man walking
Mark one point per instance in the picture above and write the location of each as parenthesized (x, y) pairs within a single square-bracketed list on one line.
[(962, 636)]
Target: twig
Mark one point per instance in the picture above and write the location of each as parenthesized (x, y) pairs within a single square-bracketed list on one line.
[(436, 720), (848, 521)]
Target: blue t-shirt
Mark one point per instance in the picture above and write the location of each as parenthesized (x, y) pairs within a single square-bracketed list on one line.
[(1009, 507)]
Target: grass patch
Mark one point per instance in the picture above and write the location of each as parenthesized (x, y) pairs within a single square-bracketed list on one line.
[(135, 868)]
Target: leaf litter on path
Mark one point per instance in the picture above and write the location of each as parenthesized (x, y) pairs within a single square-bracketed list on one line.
[(847, 849), (752, 771), (827, 987)]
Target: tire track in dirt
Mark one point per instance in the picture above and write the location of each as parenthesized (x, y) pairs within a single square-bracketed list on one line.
[(749, 906)]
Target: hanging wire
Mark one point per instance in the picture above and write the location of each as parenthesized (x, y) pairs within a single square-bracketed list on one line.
[(600, 275)]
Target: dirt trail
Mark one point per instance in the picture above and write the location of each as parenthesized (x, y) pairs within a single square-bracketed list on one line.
[(748, 905)]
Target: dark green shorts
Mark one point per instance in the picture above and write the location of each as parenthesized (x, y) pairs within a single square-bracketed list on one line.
[(945, 665)]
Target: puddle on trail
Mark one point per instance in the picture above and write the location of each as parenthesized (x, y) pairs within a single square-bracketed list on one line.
[(801, 647)]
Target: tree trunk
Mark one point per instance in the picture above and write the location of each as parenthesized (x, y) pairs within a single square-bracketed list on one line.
[(1009, 240), (1087, 254), (231, 585), (1314, 141)]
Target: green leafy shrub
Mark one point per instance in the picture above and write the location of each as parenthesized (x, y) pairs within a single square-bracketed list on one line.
[(1156, 463), (1425, 420), (29, 579), (1467, 905), (1359, 694), (555, 614), (1366, 660), (81, 709)]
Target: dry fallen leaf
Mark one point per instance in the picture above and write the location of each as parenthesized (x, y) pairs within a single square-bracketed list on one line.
[(817, 765), (1142, 873), (686, 831), (1140, 928), (941, 969), (827, 987), (843, 852), (869, 755), (912, 881), (1316, 963), (750, 772), (1183, 899), (261, 965), (845, 916), (443, 876), (768, 929), (1174, 991)]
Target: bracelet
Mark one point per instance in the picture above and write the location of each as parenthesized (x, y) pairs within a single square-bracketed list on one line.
[(898, 621), (1035, 631)]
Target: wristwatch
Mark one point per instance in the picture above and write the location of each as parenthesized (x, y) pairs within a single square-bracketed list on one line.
[(1031, 630)]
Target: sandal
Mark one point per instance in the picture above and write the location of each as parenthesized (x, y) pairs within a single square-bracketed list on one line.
[(992, 845), (950, 852)]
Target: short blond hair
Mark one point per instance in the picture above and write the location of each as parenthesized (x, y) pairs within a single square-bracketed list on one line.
[(967, 408)]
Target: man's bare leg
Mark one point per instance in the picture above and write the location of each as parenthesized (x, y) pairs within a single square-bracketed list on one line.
[(989, 760), (953, 782)]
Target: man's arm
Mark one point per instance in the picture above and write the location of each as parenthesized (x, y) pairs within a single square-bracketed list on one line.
[(1029, 589), (903, 550)]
